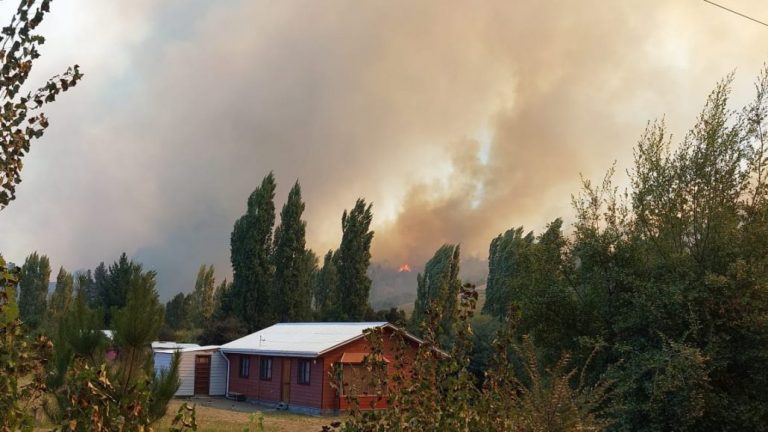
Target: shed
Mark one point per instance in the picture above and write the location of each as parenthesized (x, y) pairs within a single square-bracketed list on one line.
[(202, 369)]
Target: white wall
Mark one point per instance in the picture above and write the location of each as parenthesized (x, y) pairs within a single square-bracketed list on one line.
[(187, 371), (218, 374)]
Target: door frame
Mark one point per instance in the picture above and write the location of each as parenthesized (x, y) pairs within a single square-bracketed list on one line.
[(194, 383), (285, 380)]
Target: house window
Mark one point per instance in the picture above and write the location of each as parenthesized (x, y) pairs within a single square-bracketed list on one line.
[(304, 369), (358, 380), (245, 366), (265, 369)]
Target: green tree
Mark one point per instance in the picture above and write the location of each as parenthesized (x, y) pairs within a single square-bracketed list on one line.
[(203, 295), (77, 336), (22, 118), (100, 276), (251, 252), (85, 283), (179, 312), (221, 331), (62, 295), (352, 260), (33, 290), (326, 290), (292, 298), (438, 290), (113, 285), (135, 326), (507, 262), (22, 361), (222, 305), (670, 277)]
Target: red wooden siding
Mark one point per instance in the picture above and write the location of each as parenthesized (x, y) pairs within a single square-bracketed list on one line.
[(253, 387), (331, 399), (318, 393), (307, 395)]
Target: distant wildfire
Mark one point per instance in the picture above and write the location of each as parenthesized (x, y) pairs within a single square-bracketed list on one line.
[(405, 268)]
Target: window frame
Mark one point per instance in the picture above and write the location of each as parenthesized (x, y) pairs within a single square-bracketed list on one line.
[(265, 361), (245, 360), (304, 372)]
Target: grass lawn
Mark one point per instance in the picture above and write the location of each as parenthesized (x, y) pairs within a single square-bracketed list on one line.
[(215, 418)]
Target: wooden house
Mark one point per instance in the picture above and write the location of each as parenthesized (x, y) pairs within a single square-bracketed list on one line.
[(291, 365)]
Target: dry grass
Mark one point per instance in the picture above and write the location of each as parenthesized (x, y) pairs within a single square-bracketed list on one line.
[(214, 419)]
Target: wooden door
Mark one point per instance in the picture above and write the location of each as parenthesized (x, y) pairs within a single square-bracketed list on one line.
[(285, 388), (202, 374)]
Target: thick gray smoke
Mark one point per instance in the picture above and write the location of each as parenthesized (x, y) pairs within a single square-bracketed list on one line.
[(458, 120)]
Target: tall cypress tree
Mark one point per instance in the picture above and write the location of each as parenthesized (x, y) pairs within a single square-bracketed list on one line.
[(251, 251), (291, 295), (352, 261), (33, 289), (438, 287)]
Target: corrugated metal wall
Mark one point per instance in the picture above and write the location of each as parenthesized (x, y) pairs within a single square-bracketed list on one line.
[(187, 371)]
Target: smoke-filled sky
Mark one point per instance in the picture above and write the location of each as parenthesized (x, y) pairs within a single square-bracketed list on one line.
[(458, 120)]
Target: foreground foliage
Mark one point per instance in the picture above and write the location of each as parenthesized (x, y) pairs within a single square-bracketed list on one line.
[(435, 391), (21, 118)]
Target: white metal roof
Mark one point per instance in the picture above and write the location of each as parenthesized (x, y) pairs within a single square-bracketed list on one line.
[(189, 349), (299, 339), (165, 345)]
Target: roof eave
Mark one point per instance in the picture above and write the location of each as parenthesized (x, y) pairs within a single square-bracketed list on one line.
[(268, 353)]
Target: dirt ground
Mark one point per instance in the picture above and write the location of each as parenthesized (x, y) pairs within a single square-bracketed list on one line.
[(218, 414)]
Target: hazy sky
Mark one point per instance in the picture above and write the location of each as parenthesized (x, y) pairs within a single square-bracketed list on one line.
[(457, 119)]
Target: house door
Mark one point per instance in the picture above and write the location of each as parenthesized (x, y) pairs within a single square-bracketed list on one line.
[(202, 374), (285, 388)]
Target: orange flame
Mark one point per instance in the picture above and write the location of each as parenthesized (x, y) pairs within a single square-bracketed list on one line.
[(404, 268)]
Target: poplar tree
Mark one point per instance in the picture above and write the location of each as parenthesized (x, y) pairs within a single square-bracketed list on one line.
[(251, 251), (325, 289), (179, 312), (352, 261), (33, 289), (291, 295), (507, 265), (222, 304), (203, 295), (438, 288)]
